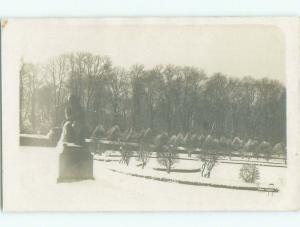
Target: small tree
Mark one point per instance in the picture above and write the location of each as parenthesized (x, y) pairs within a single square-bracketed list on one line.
[(249, 173), (126, 154), (145, 150), (208, 163), (167, 157), (165, 151)]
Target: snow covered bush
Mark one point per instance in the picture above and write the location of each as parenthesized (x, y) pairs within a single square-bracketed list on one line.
[(173, 140), (147, 136), (161, 140), (126, 135), (180, 140), (237, 144), (266, 149), (188, 144), (186, 140), (223, 143), (201, 140), (114, 133), (136, 136), (278, 149), (251, 147), (249, 173), (216, 145), (99, 132), (194, 141)]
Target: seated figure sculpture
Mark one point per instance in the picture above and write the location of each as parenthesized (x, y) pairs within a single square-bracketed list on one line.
[(73, 129), (75, 162)]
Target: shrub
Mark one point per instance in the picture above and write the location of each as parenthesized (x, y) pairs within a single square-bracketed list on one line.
[(99, 132), (194, 141), (249, 173), (237, 144), (147, 136), (201, 140), (127, 135), (216, 145), (141, 135), (278, 149), (223, 143), (136, 136), (114, 133), (180, 140), (186, 140), (208, 143), (173, 140), (188, 144), (250, 146), (265, 148), (161, 140)]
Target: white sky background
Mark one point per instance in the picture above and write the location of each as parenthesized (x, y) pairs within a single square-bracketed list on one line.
[(235, 50)]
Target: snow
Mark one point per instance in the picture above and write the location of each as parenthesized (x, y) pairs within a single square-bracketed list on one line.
[(33, 187)]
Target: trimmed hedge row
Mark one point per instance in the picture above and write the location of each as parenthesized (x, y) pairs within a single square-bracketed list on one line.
[(191, 142)]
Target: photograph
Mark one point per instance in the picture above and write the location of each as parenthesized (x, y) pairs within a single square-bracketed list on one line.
[(150, 114)]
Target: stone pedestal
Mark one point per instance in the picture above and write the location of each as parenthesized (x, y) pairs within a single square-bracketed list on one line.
[(75, 164)]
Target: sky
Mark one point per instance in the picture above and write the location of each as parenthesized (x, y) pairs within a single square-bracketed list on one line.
[(234, 50)]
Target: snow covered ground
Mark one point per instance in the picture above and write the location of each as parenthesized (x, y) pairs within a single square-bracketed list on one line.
[(33, 187)]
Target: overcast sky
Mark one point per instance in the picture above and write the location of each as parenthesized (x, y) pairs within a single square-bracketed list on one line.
[(235, 50)]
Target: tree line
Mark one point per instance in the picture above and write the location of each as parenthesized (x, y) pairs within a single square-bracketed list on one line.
[(166, 98)]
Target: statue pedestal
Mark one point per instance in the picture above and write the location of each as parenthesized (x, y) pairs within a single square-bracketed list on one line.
[(75, 164)]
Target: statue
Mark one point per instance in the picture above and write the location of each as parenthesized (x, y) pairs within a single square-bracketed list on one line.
[(73, 129), (75, 161)]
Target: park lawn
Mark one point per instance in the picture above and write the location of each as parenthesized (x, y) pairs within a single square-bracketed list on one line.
[(32, 187), (226, 174)]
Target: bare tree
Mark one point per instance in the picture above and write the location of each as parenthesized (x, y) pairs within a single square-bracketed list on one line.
[(145, 150)]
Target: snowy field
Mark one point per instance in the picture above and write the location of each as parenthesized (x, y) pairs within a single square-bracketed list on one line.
[(226, 174), (35, 187)]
